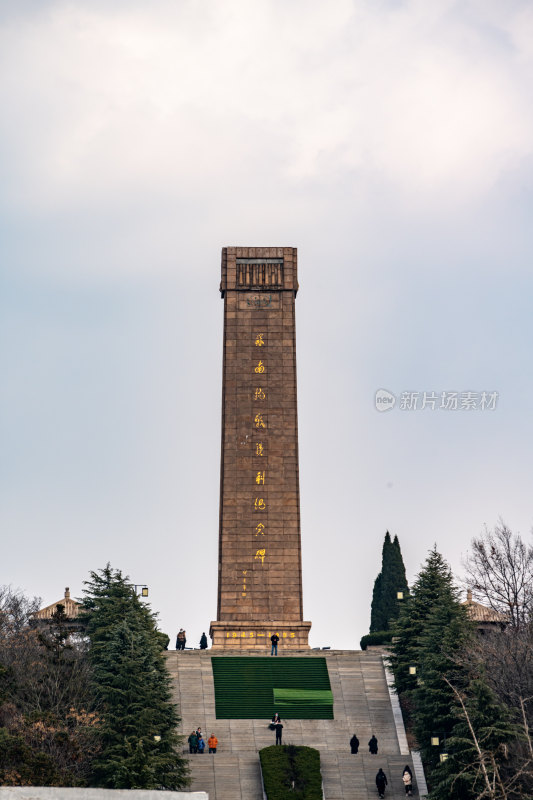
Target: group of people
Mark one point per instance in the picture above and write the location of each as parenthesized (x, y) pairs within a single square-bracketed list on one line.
[(372, 745), (381, 778), (181, 640), (197, 743), (407, 778)]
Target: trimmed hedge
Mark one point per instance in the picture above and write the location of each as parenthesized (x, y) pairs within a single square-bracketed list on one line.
[(378, 637), (281, 765)]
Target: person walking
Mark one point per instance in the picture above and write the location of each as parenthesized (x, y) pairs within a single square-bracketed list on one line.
[(193, 742), (274, 639), (279, 729), (212, 743), (381, 782), (407, 779), (373, 746), (203, 641), (201, 744), (354, 744)]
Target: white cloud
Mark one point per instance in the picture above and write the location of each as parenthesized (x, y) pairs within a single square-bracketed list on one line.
[(106, 104)]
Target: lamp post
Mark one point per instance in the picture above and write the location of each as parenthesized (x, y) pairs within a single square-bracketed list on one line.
[(399, 595), (143, 587), (412, 670)]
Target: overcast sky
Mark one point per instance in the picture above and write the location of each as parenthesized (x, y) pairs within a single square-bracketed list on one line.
[(390, 142)]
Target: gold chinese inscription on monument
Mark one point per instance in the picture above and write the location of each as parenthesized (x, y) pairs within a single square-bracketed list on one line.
[(252, 634), (259, 476)]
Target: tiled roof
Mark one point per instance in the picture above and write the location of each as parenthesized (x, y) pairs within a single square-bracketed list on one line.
[(480, 613), (71, 607)]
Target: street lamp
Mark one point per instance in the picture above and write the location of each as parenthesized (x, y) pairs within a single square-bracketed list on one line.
[(435, 741), (143, 587), (443, 757), (399, 595), (412, 670)]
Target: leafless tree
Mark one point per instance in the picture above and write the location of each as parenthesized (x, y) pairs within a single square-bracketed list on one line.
[(496, 784), (15, 611), (499, 571), (45, 695), (506, 659)]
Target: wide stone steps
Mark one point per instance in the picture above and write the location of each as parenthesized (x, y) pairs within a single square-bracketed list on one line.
[(361, 705), (346, 777)]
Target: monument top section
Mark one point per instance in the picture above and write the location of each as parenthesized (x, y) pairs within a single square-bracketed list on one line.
[(259, 268)]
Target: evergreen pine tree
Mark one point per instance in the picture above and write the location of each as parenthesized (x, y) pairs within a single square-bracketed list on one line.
[(433, 582), (466, 775), (447, 632), (385, 604), (132, 690)]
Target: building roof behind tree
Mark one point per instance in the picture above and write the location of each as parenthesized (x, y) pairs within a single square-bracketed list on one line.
[(480, 613), (71, 607)]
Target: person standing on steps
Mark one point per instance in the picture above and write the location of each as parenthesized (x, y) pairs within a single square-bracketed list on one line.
[(203, 641), (354, 744), (274, 639), (212, 743), (381, 782), (373, 746), (407, 779), (279, 729), (201, 744), (193, 742), (180, 640)]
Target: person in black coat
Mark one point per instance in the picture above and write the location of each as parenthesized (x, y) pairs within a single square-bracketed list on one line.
[(381, 782), (373, 745), (279, 729), (203, 642), (354, 744)]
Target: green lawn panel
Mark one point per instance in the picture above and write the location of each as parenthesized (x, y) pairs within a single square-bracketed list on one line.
[(252, 687), (306, 696)]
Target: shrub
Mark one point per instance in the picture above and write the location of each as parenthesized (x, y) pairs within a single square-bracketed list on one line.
[(379, 637), (281, 766)]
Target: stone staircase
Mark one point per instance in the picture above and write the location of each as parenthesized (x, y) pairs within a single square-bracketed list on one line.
[(361, 704)]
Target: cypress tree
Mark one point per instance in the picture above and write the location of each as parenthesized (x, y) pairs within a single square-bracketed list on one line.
[(385, 604), (132, 690), (376, 613)]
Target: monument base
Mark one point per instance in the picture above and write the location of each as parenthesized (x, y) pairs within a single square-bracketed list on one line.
[(232, 635)]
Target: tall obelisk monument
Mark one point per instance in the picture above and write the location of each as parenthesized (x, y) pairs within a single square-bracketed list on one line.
[(259, 562)]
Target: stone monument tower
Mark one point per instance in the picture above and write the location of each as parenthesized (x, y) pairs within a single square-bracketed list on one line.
[(260, 568)]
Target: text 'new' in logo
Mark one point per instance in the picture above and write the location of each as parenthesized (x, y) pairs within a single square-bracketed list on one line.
[(384, 400)]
